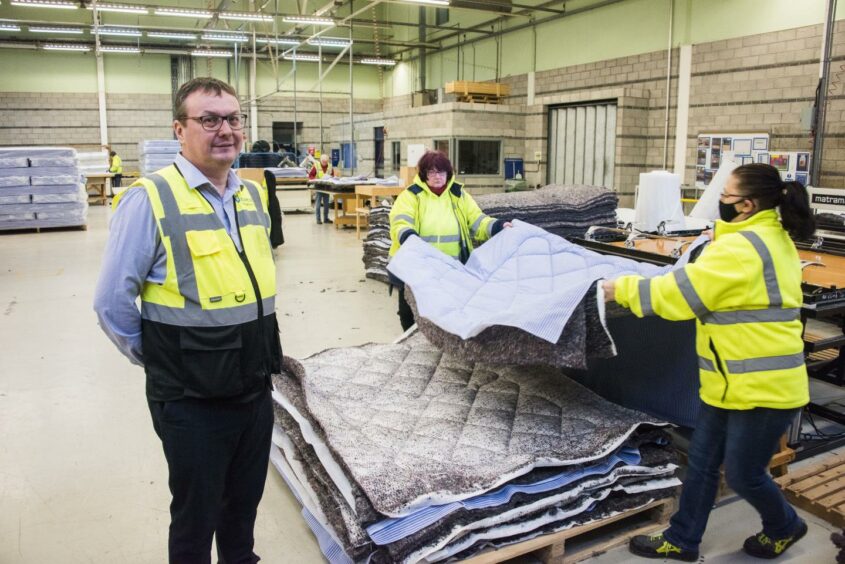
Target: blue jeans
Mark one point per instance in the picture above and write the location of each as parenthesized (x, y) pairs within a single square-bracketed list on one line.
[(321, 198), (745, 441)]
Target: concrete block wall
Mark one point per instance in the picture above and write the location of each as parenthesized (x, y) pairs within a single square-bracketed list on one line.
[(135, 117), (41, 118)]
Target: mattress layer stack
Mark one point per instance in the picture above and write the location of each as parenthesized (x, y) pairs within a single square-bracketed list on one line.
[(41, 187), (377, 243), (94, 162), (402, 453), (155, 154), (565, 210)]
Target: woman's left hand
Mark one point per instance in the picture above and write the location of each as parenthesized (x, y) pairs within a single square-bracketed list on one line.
[(507, 224), (609, 287)]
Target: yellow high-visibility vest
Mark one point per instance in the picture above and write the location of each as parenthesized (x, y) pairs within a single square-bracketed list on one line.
[(745, 293)]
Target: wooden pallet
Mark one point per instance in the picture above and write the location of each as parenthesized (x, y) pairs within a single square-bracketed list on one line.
[(580, 543), (25, 230), (819, 489), (482, 92)]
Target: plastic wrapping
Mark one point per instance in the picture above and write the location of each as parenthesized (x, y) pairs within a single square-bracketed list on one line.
[(77, 215), (13, 162), (15, 216), (14, 199), (96, 162), (55, 188), (659, 201), (54, 171), (17, 171), (158, 146), (53, 179), (13, 181), (53, 162), (30, 152), (58, 198)]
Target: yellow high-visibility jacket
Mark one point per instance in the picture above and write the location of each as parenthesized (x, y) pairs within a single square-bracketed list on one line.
[(745, 293), (116, 165), (445, 221)]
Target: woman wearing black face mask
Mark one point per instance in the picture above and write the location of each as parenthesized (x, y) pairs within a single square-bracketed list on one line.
[(745, 293)]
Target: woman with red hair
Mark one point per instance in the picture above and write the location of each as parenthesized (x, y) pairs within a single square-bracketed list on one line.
[(441, 212)]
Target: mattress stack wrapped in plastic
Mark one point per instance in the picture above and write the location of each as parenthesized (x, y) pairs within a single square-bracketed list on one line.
[(94, 162), (404, 453), (565, 210), (41, 187), (155, 154)]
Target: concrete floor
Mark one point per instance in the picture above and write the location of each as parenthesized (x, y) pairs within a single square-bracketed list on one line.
[(82, 475)]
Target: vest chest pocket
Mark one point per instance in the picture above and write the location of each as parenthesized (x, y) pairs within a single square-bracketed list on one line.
[(216, 267)]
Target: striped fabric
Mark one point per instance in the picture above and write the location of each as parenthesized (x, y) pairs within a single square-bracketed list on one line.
[(392, 530)]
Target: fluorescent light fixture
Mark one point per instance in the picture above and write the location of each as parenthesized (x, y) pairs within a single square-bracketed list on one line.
[(279, 41), (66, 47), (171, 35), (381, 62), (300, 57), (60, 4), (122, 31), (245, 17), (210, 53), (432, 2), (9, 27), (311, 20), (329, 42), (124, 8), (50, 29), (179, 12), (233, 37), (118, 49)]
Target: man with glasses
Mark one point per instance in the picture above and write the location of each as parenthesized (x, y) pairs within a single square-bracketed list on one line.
[(192, 240)]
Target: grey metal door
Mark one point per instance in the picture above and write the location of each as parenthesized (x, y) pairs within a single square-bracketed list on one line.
[(582, 144)]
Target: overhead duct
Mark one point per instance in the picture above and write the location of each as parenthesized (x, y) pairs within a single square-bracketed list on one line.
[(504, 6)]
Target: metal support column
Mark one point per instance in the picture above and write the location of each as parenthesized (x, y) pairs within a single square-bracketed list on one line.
[(351, 103), (821, 94)]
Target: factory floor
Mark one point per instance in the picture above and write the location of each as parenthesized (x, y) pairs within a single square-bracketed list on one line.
[(82, 474)]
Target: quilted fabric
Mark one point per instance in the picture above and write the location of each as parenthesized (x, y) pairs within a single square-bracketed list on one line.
[(524, 277), (416, 427)]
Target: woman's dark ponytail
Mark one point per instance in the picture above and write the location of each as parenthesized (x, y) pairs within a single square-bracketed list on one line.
[(795, 212), (762, 183)]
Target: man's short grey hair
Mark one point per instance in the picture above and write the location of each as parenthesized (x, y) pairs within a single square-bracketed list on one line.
[(204, 83)]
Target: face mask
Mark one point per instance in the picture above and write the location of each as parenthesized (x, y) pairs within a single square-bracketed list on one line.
[(728, 212)]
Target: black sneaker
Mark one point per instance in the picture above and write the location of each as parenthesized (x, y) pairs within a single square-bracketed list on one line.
[(319, 222), (655, 546), (761, 546), (328, 221)]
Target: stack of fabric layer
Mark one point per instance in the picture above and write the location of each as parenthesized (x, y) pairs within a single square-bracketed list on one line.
[(567, 210), (348, 183), (94, 162), (402, 453), (155, 154), (288, 172), (41, 187), (377, 243)]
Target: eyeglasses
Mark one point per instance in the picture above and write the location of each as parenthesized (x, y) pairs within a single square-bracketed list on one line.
[(214, 123), (437, 173)]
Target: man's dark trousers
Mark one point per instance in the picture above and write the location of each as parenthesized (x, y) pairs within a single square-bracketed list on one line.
[(217, 454)]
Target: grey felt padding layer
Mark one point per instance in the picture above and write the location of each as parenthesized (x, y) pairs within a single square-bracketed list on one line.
[(583, 338), (415, 426)]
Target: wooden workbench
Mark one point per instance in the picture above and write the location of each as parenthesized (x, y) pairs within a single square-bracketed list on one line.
[(365, 192), (101, 183)]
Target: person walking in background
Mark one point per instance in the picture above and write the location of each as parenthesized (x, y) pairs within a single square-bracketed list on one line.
[(321, 169)]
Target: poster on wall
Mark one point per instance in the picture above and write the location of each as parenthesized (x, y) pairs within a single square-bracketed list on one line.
[(779, 160), (802, 162), (714, 148)]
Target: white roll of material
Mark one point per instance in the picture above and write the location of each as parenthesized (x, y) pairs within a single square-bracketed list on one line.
[(707, 206), (659, 201)]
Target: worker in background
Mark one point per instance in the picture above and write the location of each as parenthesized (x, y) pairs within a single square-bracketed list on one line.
[(310, 160), (192, 240), (116, 168), (428, 208), (745, 292), (321, 169)]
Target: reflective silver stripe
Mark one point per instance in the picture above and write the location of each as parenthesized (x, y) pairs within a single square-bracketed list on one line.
[(258, 217), (477, 223), (174, 225), (769, 275), (441, 239), (403, 217), (200, 222), (195, 317), (644, 286), (689, 293), (706, 364), (752, 316), (250, 217), (761, 364)]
